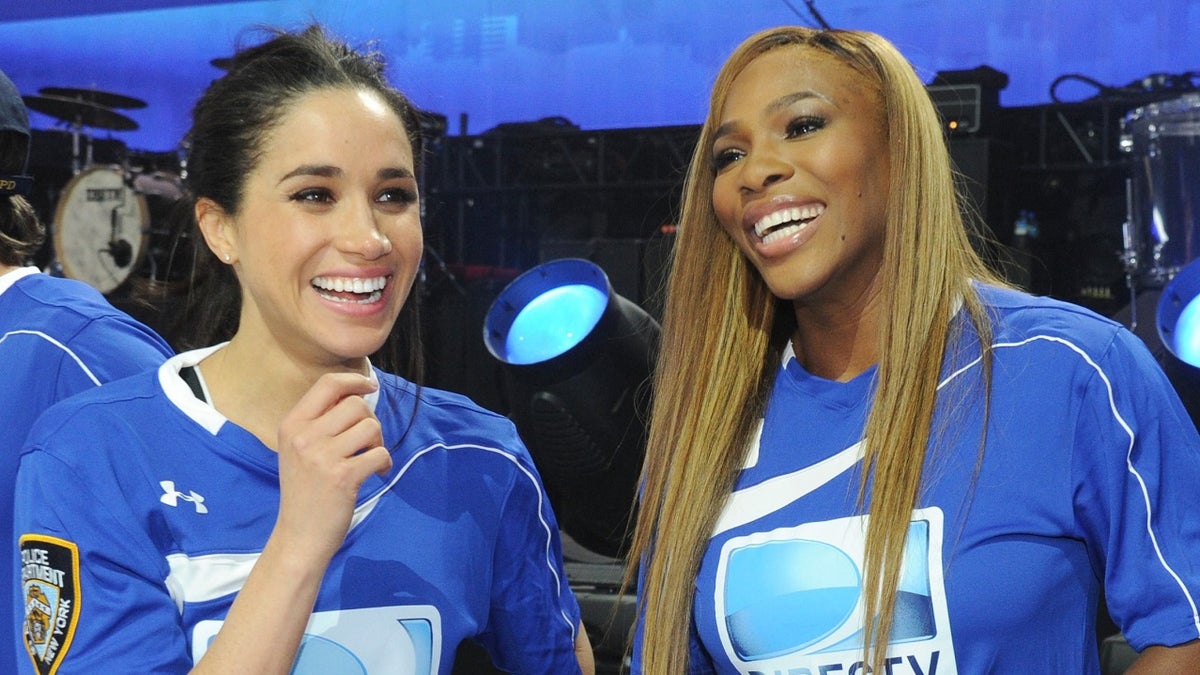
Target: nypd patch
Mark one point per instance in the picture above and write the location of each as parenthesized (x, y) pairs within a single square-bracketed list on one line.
[(50, 591)]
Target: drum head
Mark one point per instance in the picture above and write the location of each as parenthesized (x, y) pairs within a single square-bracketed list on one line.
[(100, 228)]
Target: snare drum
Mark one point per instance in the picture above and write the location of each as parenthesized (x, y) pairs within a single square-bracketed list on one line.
[(100, 227), (1164, 141)]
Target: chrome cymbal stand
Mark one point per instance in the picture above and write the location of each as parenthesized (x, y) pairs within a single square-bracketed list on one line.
[(1129, 254)]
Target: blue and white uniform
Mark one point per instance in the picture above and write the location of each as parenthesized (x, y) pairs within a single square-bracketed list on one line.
[(1088, 480), (144, 509), (58, 337)]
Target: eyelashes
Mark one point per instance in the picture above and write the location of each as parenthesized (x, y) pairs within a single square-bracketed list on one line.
[(725, 158), (796, 128), (398, 196), (395, 195), (802, 126), (312, 195)]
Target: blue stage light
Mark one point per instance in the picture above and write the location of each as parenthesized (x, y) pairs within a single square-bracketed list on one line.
[(1178, 315), (546, 311), (577, 360), (553, 323)]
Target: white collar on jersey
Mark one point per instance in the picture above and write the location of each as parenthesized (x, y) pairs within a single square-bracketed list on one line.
[(9, 278), (208, 417)]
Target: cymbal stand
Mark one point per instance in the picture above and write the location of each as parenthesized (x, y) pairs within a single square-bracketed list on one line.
[(76, 150), (1129, 256)]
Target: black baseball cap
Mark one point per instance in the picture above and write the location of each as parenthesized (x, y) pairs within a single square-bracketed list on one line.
[(14, 117)]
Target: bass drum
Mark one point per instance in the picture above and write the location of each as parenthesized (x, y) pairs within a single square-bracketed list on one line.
[(100, 228)]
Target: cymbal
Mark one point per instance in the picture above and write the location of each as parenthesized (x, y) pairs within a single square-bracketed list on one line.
[(80, 112), (104, 98)]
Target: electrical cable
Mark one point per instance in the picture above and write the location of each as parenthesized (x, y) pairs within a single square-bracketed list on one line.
[(1155, 82)]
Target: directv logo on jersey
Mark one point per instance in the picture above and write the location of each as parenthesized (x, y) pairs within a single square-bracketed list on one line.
[(400, 639), (792, 600)]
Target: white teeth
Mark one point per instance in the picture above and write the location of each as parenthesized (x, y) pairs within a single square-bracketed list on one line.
[(373, 297), (783, 232), (793, 214), (350, 284)]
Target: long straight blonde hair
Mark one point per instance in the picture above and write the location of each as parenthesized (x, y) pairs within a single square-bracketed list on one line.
[(723, 333)]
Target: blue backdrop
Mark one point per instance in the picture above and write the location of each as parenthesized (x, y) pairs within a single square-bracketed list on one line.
[(600, 64)]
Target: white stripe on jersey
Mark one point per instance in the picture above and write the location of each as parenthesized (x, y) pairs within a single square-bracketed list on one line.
[(82, 366), (207, 577), (746, 505), (364, 510), (1128, 454)]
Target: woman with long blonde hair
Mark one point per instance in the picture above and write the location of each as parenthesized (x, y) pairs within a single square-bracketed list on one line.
[(866, 453)]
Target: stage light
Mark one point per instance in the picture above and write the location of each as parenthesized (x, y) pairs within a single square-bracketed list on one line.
[(577, 358), (1178, 315)]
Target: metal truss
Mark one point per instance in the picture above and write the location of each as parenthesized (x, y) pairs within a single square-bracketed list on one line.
[(494, 197)]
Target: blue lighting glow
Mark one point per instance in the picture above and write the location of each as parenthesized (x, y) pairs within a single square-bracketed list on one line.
[(601, 65), (1178, 315), (1187, 334), (553, 323)]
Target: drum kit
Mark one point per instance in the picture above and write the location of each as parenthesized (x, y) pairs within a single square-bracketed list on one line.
[(1161, 233), (104, 219)]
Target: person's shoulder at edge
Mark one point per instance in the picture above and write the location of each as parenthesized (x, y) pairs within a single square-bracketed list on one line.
[(57, 296), (62, 292), (1019, 315), (82, 412)]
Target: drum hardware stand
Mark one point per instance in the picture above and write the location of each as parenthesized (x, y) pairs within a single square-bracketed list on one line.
[(120, 250), (429, 253), (76, 133), (1087, 156), (1129, 256)]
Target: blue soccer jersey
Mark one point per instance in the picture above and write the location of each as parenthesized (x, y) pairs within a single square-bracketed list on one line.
[(58, 337), (141, 511), (1087, 482)]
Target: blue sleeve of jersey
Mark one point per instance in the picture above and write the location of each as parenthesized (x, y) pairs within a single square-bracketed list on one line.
[(1137, 468), (113, 347), (534, 616), (53, 368), (91, 595)]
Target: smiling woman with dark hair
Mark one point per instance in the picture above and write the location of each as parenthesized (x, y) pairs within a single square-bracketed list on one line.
[(275, 503)]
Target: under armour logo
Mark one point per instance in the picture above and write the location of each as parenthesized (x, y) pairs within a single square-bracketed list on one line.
[(171, 496)]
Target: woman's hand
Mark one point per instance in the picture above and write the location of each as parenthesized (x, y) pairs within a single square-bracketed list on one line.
[(328, 444)]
